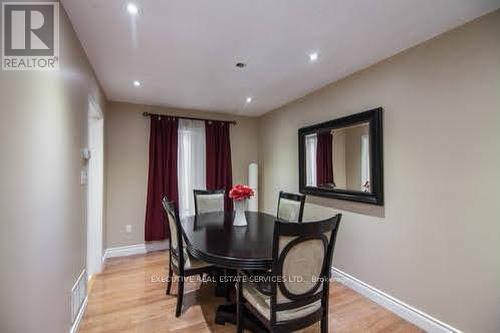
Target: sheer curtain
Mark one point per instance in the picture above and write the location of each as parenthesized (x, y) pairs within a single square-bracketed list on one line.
[(311, 146), (191, 163)]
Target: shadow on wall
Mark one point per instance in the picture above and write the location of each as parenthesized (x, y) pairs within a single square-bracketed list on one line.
[(315, 208)]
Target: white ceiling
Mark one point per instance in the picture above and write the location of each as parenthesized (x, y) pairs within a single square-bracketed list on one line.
[(184, 51)]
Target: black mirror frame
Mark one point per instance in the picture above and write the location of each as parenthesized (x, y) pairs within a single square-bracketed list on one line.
[(376, 197)]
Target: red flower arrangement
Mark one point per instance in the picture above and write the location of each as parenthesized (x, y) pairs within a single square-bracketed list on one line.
[(241, 192)]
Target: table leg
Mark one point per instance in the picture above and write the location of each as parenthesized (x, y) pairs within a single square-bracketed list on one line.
[(226, 313)]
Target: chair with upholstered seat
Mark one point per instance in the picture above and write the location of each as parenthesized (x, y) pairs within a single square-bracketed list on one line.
[(181, 262), (297, 286), (209, 201), (206, 201), (290, 207)]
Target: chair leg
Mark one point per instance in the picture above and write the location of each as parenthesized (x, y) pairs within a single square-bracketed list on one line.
[(180, 294), (169, 282), (228, 287), (324, 303), (324, 324), (239, 306)]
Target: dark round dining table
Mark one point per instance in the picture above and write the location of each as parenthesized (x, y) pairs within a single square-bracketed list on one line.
[(213, 238)]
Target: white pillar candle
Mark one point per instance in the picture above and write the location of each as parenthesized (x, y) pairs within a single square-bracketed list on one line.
[(253, 182)]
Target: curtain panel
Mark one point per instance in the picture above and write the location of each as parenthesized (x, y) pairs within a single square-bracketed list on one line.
[(311, 146), (162, 178), (191, 163), (324, 162), (218, 159)]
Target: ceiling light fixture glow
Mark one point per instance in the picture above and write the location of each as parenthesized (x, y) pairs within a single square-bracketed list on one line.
[(132, 9), (249, 99), (313, 56), (137, 83)]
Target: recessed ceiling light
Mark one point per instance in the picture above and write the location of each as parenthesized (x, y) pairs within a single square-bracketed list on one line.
[(132, 9), (313, 56), (137, 83), (249, 99)]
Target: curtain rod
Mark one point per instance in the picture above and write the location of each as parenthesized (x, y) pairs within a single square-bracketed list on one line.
[(147, 114)]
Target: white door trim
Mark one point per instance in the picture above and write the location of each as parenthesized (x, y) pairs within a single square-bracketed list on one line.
[(95, 188)]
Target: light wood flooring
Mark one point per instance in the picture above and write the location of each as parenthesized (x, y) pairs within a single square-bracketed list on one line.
[(126, 297)]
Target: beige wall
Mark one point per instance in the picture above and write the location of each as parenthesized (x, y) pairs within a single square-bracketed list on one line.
[(436, 243), (127, 142), (43, 119)]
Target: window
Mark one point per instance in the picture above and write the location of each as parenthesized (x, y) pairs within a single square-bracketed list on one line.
[(311, 142)]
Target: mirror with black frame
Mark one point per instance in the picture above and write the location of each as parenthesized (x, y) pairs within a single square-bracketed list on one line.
[(342, 158)]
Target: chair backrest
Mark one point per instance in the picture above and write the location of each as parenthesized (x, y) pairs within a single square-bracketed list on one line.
[(206, 201), (302, 257), (290, 207), (177, 245)]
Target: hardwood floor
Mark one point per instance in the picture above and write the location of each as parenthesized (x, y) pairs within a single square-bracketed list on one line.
[(130, 297)]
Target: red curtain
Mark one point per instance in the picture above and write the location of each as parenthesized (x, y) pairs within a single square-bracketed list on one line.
[(324, 164), (162, 178), (218, 155)]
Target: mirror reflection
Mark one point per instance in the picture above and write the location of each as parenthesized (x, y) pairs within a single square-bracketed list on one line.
[(339, 158)]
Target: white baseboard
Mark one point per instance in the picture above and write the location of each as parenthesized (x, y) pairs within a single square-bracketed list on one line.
[(156, 246), (143, 248), (405, 311), (76, 324)]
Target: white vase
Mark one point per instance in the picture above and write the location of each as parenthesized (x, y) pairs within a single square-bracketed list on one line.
[(240, 220)]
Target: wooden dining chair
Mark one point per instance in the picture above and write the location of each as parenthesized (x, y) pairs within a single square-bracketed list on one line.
[(298, 286), (207, 201), (290, 207), (181, 262)]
